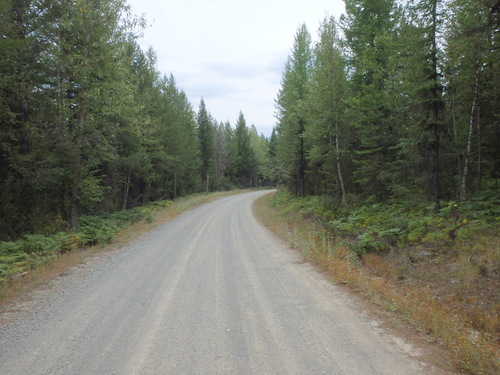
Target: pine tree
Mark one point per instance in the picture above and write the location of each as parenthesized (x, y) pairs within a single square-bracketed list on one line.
[(260, 146), (94, 93), (245, 159), (326, 112), (368, 27), (29, 183), (223, 154), (178, 134), (427, 20), (205, 144), (471, 58), (273, 171), (291, 113), (132, 160)]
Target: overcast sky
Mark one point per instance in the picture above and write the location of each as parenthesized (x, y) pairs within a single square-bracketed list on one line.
[(229, 52)]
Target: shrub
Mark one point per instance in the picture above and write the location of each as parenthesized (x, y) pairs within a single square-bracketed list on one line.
[(97, 229), (467, 327)]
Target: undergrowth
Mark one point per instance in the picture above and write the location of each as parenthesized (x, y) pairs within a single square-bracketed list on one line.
[(440, 271), (17, 258), (32, 250)]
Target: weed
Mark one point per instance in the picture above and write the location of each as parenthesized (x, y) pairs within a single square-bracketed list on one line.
[(403, 258)]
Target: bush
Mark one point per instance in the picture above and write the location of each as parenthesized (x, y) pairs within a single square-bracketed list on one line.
[(126, 216), (26, 253), (461, 294), (35, 249), (97, 229), (380, 227), (41, 245)]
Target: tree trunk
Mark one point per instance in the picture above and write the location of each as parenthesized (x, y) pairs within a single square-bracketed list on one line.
[(302, 163), (21, 73), (463, 185), (435, 108), (175, 183), (479, 154), (77, 173), (74, 207), (339, 170), (455, 138), (145, 197), (126, 190)]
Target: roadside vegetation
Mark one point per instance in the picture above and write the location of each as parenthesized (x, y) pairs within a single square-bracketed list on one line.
[(438, 271), (32, 250), (387, 142), (26, 260)]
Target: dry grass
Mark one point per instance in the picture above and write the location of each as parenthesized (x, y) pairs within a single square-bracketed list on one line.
[(402, 290), (22, 284)]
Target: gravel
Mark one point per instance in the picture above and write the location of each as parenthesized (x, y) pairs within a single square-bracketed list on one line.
[(212, 292)]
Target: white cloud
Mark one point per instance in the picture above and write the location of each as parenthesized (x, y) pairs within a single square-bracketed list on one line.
[(231, 53)]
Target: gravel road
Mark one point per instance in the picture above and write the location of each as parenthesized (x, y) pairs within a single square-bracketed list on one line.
[(212, 292)]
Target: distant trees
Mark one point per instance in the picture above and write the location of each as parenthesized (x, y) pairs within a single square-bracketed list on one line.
[(245, 163), (205, 139), (89, 125), (398, 99), (402, 104)]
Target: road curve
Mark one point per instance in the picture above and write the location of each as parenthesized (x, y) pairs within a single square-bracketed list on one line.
[(212, 292)]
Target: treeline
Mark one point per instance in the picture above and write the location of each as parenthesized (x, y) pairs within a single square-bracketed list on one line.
[(397, 100), (89, 125)]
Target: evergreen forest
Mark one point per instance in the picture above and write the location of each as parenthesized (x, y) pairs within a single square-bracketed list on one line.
[(397, 100), (386, 142), (90, 126)]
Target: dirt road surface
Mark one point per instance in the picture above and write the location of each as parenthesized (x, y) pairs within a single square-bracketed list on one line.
[(212, 292)]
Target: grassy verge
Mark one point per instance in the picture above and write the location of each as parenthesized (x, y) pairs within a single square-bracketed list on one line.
[(35, 259), (438, 272)]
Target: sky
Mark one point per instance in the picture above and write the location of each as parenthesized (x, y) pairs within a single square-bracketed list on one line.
[(231, 53)]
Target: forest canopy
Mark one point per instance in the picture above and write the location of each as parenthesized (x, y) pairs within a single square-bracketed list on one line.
[(396, 100), (89, 125)]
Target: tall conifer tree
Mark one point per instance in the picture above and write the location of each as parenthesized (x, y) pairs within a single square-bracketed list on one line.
[(291, 113), (245, 159), (326, 129), (205, 144), (368, 27), (472, 61)]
